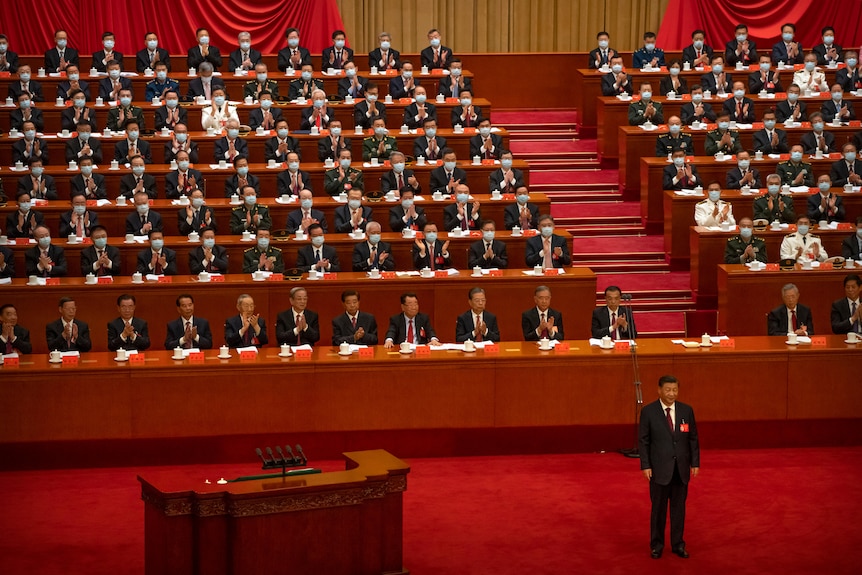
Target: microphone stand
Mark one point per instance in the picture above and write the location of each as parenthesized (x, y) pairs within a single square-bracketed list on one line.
[(627, 302)]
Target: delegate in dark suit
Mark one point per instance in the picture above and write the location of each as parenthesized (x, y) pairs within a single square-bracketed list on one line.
[(177, 330), (145, 257), (270, 148), (709, 82), (397, 89), (411, 115), (735, 175), (830, 110), (389, 181), (346, 87), (52, 58), (172, 183), (360, 113), (840, 172), (535, 247), (162, 120), (236, 58), (294, 220), (440, 179), (421, 147), (11, 64), (195, 57), (286, 323), (305, 258), (31, 222), (79, 186), (7, 270), (329, 58), (343, 221), (530, 322), (362, 253), (33, 88), (392, 60), (670, 455), (73, 150), (422, 330), (255, 119), (730, 56), (199, 220), (688, 114), (397, 222), (16, 119), (763, 142), (465, 326), (25, 186), (22, 342), (476, 147), (779, 54), (809, 142), (66, 228), (325, 147), (58, 258), (143, 60), (852, 247), (19, 148), (121, 151), (666, 85), (89, 256), (512, 215), (55, 336), (129, 182), (777, 321), (476, 256), (115, 329), (64, 88), (68, 121), (343, 330), (840, 318), (601, 325), (284, 58), (135, 223), (232, 337), (218, 265), (849, 81), (815, 214), (439, 261), (428, 57), (689, 53), (106, 88), (451, 221), (222, 146), (670, 172), (196, 87), (785, 110)]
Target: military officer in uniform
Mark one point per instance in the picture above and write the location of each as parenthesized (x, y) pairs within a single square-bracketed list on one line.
[(263, 256), (381, 144), (645, 108), (745, 247), (801, 245), (342, 178), (249, 216), (260, 84), (772, 206), (795, 172), (722, 139), (713, 211), (674, 140)]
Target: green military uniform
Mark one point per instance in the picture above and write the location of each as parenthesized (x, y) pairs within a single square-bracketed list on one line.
[(251, 260), (637, 110), (668, 144), (788, 172), (370, 147), (239, 219), (713, 138), (253, 89), (735, 250), (132, 112), (334, 185), (302, 88), (782, 209)]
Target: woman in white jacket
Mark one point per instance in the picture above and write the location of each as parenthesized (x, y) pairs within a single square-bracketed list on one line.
[(219, 112), (811, 77)]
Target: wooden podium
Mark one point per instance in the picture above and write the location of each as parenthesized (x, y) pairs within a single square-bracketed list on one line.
[(346, 522)]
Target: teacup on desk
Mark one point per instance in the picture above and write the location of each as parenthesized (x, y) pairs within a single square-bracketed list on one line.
[(258, 275), (33, 280), (852, 337), (516, 231), (544, 344), (426, 273), (344, 347), (607, 342), (194, 237), (469, 345), (312, 274), (806, 265), (375, 273), (792, 338), (496, 194), (4, 240), (137, 277), (55, 355), (375, 162), (90, 279), (328, 163), (178, 353), (358, 235), (130, 238), (408, 233), (405, 346), (300, 235), (72, 239), (246, 235), (204, 277), (420, 160), (122, 354), (823, 224)]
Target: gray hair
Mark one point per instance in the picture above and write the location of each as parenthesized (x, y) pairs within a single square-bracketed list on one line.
[(205, 67), (788, 287)]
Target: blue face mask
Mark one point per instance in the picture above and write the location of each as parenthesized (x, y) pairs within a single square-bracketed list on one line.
[(80, 210), (282, 133), (350, 72), (84, 135), (795, 156), (317, 241), (209, 243), (406, 203), (547, 231), (250, 200), (37, 170), (181, 137), (674, 71), (431, 237), (336, 131), (616, 68), (161, 75), (157, 244), (138, 170), (371, 97), (152, 44), (792, 97), (30, 134), (698, 44), (430, 132), (398, 167), (263, 243), (232, 133), (266, 104), (197, 203), (723, 125), (306, 75), (142, 209), (462, 198), (646, 96), (293, 42), (100, 243), (374, 238), (674, 128), (817, 126), (466, 101), (741, 37), (765, 66), (717, 68), (353, 204), (769, 124), (25, 104), (381, 131), (204, 40), (773, 189), (802, 229), (809, 66), (125, 101), (824, 186), (133, 134), (339, 44), (219, 101), (697, 98), (319, 103), (850, 156), (420, 98), (506, 163), (242, 172), (714, 195), (293, 166), (24, 207), (183, 165), (74, 77), (739, 93), (523, 198), (306, 204), (851, 62), (649, 47), (488, 236), (787, 37), (435, 42), (449, 166), (114, 74), (80, 103), (745, 233), (45, 242), (86, 170), (344, 162)]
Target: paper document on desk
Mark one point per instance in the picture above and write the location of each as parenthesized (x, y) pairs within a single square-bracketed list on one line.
[(295, 348), (685, 192), (799, 189), (407, 274), (249, 348)]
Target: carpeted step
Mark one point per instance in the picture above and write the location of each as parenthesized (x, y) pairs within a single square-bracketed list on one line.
[(552, 147), (604, 209), (605, 229), (608, 178), (643, 283), (678, 304), (628, 244), (660, 323), (534, 117), (617, 267)]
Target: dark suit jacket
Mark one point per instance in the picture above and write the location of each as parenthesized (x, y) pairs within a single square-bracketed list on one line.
[(162, 118), (232, 338), (78, 186), (596, 54), (145, 257), (735, 175), (121, 151), (396, 218), (56, 341), (106, 87), (376, 55), (669, 173), (763, 143), (134, 223), (464, 327), (177, 329), (270, 148), (440, 262), (451, 221), (420, 147), (730, 57), (11, 62), (439, 181), (33, 87), (776, 320), (512, 215), (284, 58), (820, 50), (361, 109), (52, 58), (536, 245), (839, 316), (342, 218), (196, 87), (362, 252), (25, 184), (666, 85), (67, 119), (389, 181), (346, 56), (839, 174), (22, 342), (287, 322), (142, 59), (66, 223), (830, 110), (89, 256), (235, 59), (814, 213), (34, 219), (756, 84), (219, 264), (198, 221), (687, 115), (850, 248), (530, 323), (708, 82), (397, 89), (115, 328), (305, 258), (342, 329), (192, 151), (784, 111), (9, 259), (345, 84), (730, 106), (662, 450), (16, 119), (19, 147), (495, 181), (601, 325), (73, 148), (397, 331), (195, 58), (128, 183), (411, 111), (779, 54), (255, 119), (849, 80), (231, 184), (324, 147), (608, 89), (172, 182), (64, 87), (457, 111), (294, 220), (221, 147), (57, 255), (476, 146), (476, 256), (427, 57), (689, 54), (809, 142)]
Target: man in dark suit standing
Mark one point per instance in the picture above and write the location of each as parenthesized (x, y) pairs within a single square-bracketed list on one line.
[(203, 51), (603, 54), (488, 252), (188, 331), (698, 53), (127, 331), (68, 333), (353, 326), (151, 54), (851, 247), (157, 259), (541, 321), (297, 325), (846, 314), (410, 326), (338, 54), (546, 249), (373, 254), (791, 316), (61, 55), (318, 255), (208, 257), (476, 324), (247, 328), (244, 56), (612, 320), (294, 56), (436, 55), (740, 49), (100, 259), (670, 457), (13, 337), (384, 57), (428, 252)]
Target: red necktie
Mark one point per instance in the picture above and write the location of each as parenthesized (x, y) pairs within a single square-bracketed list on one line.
[(353, 322), (669, 419), (545, 332), (793, 319), (739, 110), (101, 271), (295, 180), (157, 269), (613, 325), (79, 228), (9, 348), (432, 258), (400, 182), (410, 331), (188, 335), (298, 331), (475, 323)]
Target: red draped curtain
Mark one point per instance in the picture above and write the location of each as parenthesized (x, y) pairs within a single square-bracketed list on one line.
[(763, 18), (30, 25)]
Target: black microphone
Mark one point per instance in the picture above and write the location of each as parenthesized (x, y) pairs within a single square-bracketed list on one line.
[(260, 454), (281, 454), (293, 460), (270, 453), (301, 454)]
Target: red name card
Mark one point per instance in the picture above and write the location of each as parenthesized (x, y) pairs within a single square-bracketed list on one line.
[(217, 279), (137, 358), (423, 350), (91, 203), (495, 273), (827, 266), (487, 162), (165, 279), (562, 346), (248, 354), (70, 360), (492, 348), (12, 362), (366, 352), (730, 342), (275, 278), (772, 267), (302, 354), (104, 280), (196, 357), (387, 275), (551, 272), (622, 345), (440, 274), (818, 340), (52, 281), (330, 276)]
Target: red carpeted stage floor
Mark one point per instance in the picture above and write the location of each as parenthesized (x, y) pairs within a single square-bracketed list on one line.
[(751, 511)]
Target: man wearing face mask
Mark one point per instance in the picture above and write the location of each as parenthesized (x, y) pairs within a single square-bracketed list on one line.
[(30, 147), (801, 245), (261, 84), (384, 57), (717, 81), (416, 113), (787, 50), (157, 259), (826, 205), (143, 220), (404, 85), (743, 174), (603, 54), (380, 145), (851, 248), (428, 252), (547, 249), (208, 257), (507, 179), (230, 146), (722, 139), (61, 55), (293, 56), (78, 220), (436, 55), (100, 259), (764, 78), (645, 110), (740, 49), (25, 85), (522, 213), (183, 180), (180, 142), (353, 216), (810, 77), (398, 178), (37, 183), (342, 178), (407, 215), (240, 179), (293, 180), (244, 57), (485, 144), (457, 82), (71, 117), (770, 140), (72, 84), (110, 87), (818, 138), (369, 109), (132, 145), (151, 54), (88, 182), (713, 211), (795, 172), (171, 114), (220, 113), (467, 115), (106, 54), (305, 215), (837, 106), (673, 82), (791, 108), (8, 58), (26, 112), (674, 140), (250, 216), (22, 222), (697, 109), (648, 54), (352, 84), (83, 146), (774, 207), (137, 153), (336, 55), (196, 216), (680, 174), (373, 254), (205, 84), (319, 115), (318, 255), (850, 77), (266, 116), (445, 178), (203, 52), (462, 215), (119, 115), (745, 248), (159, 87), (330, 146), (739, 108), (488, 252), (848, 169), (429, 145), (263, 256), (305, 85), (828, 52), (138, 180), (698, 53), (44, 259)]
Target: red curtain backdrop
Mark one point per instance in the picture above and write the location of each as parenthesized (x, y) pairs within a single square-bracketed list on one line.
[(30, 26), (763, 18)]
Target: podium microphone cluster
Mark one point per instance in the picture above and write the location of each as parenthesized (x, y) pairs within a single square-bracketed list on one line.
[(282, 460)]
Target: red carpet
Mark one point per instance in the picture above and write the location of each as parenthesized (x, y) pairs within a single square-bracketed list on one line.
[(550, 147), (751, 511), (618, 245), (522, 117), (607, 177), (597, 209), (645, 282)]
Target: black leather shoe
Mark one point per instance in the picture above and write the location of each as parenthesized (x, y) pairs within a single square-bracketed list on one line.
[(681, 552), (655, 553)]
